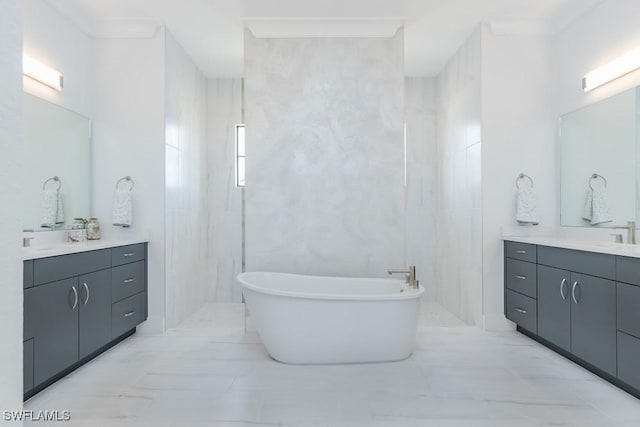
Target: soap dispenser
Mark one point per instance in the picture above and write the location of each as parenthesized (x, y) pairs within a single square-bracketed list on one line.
[(93, 229)]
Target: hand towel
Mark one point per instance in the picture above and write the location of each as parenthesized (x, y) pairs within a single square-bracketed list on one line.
[(526, 210), (600, 211), (51, 209), (122, 208), (587, 211)]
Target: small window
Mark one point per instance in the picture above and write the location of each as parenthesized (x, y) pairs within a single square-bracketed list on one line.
[(240, 155)]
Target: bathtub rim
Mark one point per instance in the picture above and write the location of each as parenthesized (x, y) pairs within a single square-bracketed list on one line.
[(400, 296)]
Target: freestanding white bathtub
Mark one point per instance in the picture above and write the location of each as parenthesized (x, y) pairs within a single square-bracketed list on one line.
[(313, 319)]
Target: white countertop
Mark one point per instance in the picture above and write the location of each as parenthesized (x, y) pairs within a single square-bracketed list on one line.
[(56, 249), (623, 249)]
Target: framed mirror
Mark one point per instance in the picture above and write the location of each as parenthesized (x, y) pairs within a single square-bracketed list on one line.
[(57, 144), (598, 163)]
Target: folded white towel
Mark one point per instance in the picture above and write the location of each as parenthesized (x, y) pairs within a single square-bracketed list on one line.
[(122, 208), (51, 209), (596, 207), (587, 211), (526, 210)]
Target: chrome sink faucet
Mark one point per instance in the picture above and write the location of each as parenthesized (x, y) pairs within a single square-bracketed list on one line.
[(410, 275), (631, 231)]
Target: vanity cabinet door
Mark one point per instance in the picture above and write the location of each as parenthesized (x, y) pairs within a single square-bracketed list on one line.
[(593, 321), (554, 309), (95, 311), (53, 309)]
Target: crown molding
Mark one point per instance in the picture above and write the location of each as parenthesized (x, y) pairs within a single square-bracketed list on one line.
[(323, 27), (92, 26), (126, 28)]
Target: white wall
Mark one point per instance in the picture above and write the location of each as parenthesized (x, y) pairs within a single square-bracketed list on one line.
[(186, 184), (11, 20), (518, 135), (528, 82), (225, 199), (128, 88), (55, 41), (325, 182), (459, 261), (422, 174), (606, 32)]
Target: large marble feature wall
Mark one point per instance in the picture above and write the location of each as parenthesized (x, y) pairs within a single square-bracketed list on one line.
[(186, 184), (224, 99), (325, 176), (459, 261)]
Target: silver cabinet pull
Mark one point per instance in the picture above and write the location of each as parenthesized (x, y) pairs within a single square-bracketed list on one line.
[(520, 251), (573, 291), (129, 254), (129, 280), (86, 288), (75, 296), (520, 310), (521, 277), (129, 314), (564, 282)]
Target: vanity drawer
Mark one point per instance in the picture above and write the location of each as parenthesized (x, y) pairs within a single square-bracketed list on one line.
[(628, 270), (126, 254), (628, 356), (591, 263), (521, 277), (55, 268), (629, 309), (521, 251), (127, 314), (522, 310), (127, 280), (27, 274)]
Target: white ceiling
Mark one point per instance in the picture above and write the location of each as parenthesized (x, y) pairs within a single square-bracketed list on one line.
[(211, 31)]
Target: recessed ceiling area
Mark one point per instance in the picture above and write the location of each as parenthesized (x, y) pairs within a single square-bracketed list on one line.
[(212, 31)]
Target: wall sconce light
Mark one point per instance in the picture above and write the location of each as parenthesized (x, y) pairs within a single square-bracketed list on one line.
[(41, 73), (625, 64)]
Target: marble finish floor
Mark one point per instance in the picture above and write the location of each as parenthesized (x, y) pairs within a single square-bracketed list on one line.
[(209, 372)]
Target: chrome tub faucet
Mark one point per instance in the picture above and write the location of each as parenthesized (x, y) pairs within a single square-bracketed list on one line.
[(410, 275)]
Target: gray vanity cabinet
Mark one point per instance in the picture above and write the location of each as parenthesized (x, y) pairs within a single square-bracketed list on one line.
[(581, 311), (593, 321), (577, 313), (52, 313), (554, 309), (69, 309), (95, 311)]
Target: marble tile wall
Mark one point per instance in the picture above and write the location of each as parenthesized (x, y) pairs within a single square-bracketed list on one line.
[(11, 24), (225, 207), (186, 204), (325, 179), (422, 174), (459, 236)]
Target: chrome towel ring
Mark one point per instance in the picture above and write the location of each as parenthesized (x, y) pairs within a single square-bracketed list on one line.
[(523, 176), (128, 179), (53, 178), (596, 176)]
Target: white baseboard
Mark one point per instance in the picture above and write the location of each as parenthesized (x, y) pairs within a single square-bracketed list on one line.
[(152, 326)]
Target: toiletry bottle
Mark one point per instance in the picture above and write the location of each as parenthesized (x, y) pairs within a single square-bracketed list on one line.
[(79, 224), (93, 229)]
